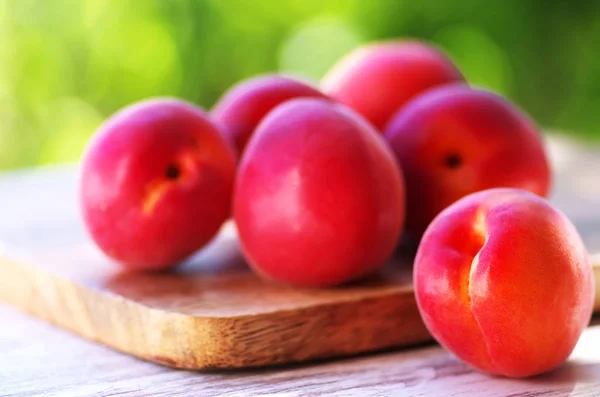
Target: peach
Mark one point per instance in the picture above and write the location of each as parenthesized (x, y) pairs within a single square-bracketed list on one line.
[(240, 110), (156, 183), (378, 79), (454, 140), (503, 281), (319, 198)]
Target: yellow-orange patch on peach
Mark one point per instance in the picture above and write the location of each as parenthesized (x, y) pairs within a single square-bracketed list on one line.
[(155, 191), (479, 226)]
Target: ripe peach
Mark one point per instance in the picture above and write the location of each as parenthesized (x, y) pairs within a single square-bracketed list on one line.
[(319, 198), (502, 280), (240, 110), (156, 183), (454, 140), (378, 79)]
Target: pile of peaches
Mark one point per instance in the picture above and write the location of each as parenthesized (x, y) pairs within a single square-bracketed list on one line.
[(322, 183)]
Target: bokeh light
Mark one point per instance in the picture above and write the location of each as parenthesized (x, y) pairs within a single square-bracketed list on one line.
[(482, 61), (66, 65), (315, 46)]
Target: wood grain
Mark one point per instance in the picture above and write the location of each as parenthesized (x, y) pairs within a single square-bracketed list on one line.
[(213, 312)]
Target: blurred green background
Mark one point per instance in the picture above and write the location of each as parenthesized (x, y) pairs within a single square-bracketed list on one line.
[(67, 64)]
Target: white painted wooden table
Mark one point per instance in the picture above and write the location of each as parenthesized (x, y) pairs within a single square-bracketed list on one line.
[(37, 359)]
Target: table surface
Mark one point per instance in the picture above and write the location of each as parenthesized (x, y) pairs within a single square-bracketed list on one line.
[(37, 359)]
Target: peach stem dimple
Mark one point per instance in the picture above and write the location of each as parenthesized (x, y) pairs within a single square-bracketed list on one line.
[(480, 236), (474, 243), (172, 171), (176, 172), (481, 233), (453, 161)]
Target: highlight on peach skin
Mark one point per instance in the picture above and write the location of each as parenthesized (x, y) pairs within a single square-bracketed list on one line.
[(503, 281), (240, 110), (454, 140), (319, 198), (378, 79), (156, 183)]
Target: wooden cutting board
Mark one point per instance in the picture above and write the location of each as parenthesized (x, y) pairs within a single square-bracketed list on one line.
[(213, 312)]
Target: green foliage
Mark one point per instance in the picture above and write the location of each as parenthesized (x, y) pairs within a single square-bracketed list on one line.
[(65, 65)]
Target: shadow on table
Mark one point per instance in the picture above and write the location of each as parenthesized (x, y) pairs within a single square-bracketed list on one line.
[(575, 377)]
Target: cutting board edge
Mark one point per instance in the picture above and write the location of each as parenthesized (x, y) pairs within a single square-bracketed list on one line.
[(179, 340)]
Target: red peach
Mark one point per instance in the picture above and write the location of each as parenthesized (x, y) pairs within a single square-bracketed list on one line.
[(319, 198), (454, 140), (503, 281), (241, 109), (378, 79), (156, 183)]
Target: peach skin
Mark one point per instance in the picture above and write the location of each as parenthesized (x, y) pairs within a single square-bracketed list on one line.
[(319, 198), (452, 141), (240, 110), (378, 79), (156, 183), (503, 281)]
